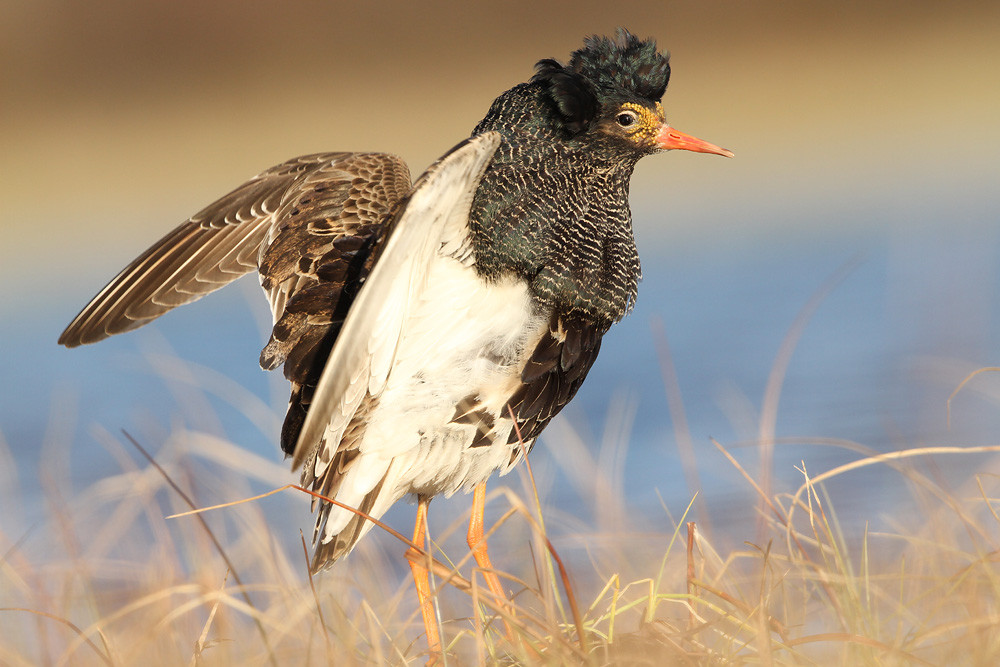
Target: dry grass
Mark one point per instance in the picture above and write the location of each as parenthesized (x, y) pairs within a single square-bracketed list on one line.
[(107, 579)]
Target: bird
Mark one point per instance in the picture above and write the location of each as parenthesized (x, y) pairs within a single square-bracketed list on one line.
[(430, 330)]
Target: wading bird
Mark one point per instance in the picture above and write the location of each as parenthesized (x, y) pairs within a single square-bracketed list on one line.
[(412, 321)]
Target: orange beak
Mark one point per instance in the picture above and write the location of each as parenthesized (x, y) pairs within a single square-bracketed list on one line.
[(671, 139)]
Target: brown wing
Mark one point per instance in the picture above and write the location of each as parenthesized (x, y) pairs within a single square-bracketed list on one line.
[(314, 262), (556, 369), (208, 251)]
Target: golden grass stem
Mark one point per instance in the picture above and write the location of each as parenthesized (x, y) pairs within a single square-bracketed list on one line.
[(319, 607), (690, 571), (199, 646), (215, 542), (890, 456), (678, 415), (105, 658), (857, 639), (779, 369), (965, 380), (564, 575)]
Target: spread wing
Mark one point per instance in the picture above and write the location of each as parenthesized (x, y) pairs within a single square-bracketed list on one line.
[(209, 250)]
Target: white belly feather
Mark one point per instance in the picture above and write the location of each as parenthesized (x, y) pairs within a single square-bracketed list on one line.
[(469, 339)]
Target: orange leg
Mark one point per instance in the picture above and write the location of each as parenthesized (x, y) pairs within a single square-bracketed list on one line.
[(422, 581), (479, 549)]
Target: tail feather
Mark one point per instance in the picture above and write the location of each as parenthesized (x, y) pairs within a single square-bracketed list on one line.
[(326, 553)]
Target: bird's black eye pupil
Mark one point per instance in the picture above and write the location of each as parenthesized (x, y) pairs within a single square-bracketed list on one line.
[(625, 119)]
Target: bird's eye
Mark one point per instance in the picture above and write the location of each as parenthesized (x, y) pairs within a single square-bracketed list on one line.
[(626, 119)]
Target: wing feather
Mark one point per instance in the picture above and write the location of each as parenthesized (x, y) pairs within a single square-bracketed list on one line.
[(361, 359), (554, 372), (294, 210), (208, 251)]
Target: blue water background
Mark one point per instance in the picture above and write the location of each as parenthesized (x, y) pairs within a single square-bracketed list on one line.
[(914, 311)]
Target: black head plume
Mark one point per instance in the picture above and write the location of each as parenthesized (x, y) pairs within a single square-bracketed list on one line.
[(625, 65)]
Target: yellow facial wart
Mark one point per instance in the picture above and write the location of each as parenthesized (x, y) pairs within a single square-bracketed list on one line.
[(648, 126)]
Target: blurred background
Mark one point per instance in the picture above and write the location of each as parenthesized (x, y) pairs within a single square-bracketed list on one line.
[(867, 160)]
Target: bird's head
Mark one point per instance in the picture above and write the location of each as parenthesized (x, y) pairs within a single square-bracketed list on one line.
[(608, 96)]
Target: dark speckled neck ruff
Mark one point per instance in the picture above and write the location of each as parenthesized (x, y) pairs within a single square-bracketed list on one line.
[(553, 205), (547, 211)]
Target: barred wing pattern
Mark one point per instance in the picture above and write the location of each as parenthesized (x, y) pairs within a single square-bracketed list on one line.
[(217, 245)]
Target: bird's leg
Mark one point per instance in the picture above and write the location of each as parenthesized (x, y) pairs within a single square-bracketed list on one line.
[(477, 544), (422, 581)]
